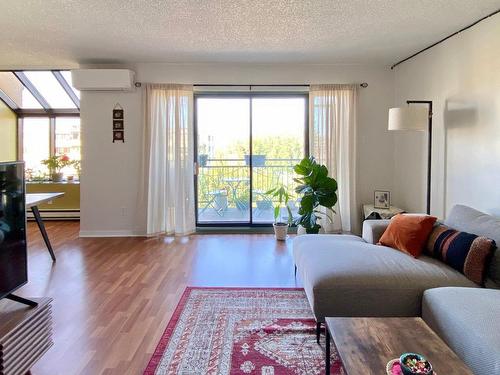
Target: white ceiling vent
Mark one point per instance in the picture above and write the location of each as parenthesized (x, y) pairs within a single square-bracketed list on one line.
[(103, 79)]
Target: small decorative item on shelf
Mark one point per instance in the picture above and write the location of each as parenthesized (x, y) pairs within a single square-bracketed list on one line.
[(118, 124), (382, 199), (280, 228), (55, 164)]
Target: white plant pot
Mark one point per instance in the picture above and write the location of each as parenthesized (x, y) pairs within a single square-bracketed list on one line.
[(280, 231), (301, 230), (57, 177), (324, 229), (327, 228)]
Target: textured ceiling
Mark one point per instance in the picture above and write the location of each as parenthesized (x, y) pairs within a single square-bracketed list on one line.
[(68, 32)]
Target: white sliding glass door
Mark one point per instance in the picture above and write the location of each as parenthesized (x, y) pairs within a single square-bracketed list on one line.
[(246, 145)]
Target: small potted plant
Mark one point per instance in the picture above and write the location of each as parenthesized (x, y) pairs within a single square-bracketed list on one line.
[(280, 228), (55, 164), (415, 364), (202, 160), (257, 160)]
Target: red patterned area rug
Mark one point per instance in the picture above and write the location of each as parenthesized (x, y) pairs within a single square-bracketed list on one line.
[(241, 331)]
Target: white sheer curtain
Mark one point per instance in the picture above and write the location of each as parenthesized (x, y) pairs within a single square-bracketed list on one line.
[(332, 132), (168, 159)]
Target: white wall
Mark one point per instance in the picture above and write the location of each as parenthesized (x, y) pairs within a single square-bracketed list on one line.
[(109, 190), (111, 172), (462, 78)]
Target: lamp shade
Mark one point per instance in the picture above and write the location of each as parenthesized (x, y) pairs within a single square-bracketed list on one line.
[(408, 118)]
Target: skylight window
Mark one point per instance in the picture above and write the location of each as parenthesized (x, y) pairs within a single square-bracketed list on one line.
[(51, 90), (67, 76), (38, 92), (16, 92)]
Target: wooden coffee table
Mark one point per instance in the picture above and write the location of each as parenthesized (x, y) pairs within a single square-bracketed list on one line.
[(365, 345)]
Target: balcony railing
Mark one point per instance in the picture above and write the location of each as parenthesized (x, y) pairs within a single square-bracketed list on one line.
[(224, 187)]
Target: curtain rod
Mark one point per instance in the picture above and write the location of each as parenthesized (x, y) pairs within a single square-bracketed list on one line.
[(364, 85), (139, 84), (445, 38)]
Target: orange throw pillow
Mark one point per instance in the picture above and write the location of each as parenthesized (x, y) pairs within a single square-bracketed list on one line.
[(408, 233)]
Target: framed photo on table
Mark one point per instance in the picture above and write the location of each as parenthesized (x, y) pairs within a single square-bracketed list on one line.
[(382, 199)]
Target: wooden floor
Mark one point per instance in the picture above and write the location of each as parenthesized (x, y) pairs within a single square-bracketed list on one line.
[(113, 297)]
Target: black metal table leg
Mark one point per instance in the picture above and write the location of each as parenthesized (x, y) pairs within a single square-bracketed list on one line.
[(327, 350), (41, 226)]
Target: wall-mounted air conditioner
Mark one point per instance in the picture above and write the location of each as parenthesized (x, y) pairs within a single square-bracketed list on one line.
[(103, 79)]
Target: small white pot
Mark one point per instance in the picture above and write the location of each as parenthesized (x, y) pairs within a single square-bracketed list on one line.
[(280, 231), (57, 177), (327, 228), (301, 230)]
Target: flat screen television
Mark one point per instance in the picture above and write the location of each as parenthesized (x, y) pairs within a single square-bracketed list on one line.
[(13, 252)]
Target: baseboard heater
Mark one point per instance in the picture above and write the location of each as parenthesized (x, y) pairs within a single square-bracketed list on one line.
[(56, 215)]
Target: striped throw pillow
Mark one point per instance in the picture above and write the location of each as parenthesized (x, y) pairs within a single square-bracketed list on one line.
[(465, 252)]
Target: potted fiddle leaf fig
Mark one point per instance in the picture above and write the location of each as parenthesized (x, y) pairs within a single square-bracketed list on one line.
[(282, 196), (317, 191)]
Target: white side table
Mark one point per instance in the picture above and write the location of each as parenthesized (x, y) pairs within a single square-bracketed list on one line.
[(370, 212)]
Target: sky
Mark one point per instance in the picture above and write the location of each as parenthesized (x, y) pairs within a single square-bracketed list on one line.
[(227, 120)]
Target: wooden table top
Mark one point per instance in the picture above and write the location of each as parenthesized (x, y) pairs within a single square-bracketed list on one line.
[(365, 345), (34, 199)]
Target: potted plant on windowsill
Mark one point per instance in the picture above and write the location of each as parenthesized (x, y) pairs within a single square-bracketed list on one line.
[(55, 164), (77, 164), (280, 228), (318, 194), (257, 160)]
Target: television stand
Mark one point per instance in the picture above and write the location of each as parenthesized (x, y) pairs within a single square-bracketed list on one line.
[(25, 334), (25, 301)]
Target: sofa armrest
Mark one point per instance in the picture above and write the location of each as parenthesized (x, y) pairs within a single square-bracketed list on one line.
[(373, 230)]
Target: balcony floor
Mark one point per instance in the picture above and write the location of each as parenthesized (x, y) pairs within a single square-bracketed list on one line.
[(236, 215)]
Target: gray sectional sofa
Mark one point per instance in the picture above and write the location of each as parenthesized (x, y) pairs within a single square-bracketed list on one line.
[(350, 276), (468, 320)]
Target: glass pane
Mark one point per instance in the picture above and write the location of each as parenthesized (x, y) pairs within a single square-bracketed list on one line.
[(223, 155), (50, 89), (68, 142), (16, 91), (36, 146), (67, 76), (278, 126)]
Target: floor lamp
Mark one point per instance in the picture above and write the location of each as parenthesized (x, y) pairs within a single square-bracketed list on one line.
[(415, 118)]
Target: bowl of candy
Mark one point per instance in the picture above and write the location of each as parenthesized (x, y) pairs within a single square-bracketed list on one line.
[(415, 364)]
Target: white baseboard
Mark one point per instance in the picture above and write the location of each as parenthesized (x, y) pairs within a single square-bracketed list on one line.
[(111, 233), (56, 215)]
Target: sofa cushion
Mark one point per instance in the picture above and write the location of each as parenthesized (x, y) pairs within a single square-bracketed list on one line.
[(466, 252), (467, 319), (408, 233), (467, 219), (353, 278)]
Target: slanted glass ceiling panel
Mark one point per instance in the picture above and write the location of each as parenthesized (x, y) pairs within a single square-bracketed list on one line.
[(51, 90), (67, 76), (16, 91)]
